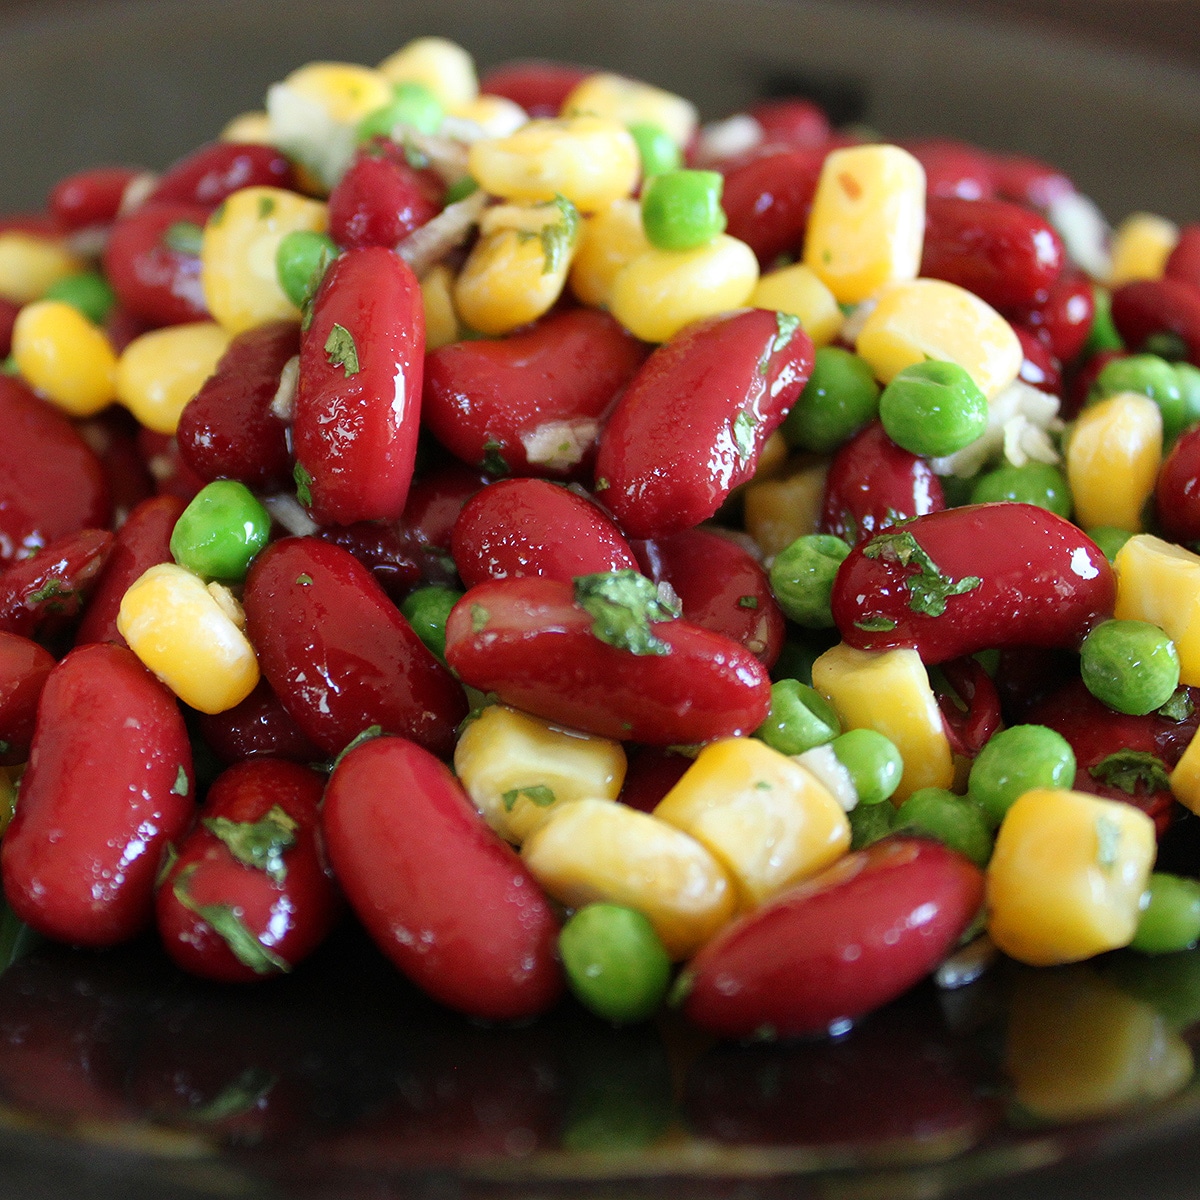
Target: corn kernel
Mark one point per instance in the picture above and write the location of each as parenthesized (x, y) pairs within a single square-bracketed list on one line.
[(661, 291), (1159, 582), (189, 635), (1185, 778), (237, 255), (248, 128), (160, 371), (442, 66), (441, 321), (798, 290), (931, 319), (1113, 454), (31, 265), (518, 769), (602, 850), (608, 240), (778, 511), (497, 116), (867, 224), (65, 357), (889, 691), (631, 102), (767, 820), (1141, 246), (1066, 878)]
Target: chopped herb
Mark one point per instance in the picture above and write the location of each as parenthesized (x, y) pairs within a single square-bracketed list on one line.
[(341, 350), (747, 602), (184, 237), (743, 436), (371, 732), (875, 624), (51, 588), (243, 1095), (494, 462), (558, 239), (479, 618), (460, 190), (182, 783), (306, 315), (623, 604), (226, 921), (266, 206), (762, 785), (787, 324), (602, 485), (169, 859), (1179, 707), (414, 156), (1108, 840), (303, 484), (1127, 768), (928, 588), (304, 579), (259, 844), (538, 794)]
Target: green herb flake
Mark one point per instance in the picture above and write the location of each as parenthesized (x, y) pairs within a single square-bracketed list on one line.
[(623, 604), (763, 785), (226, 921), (928, 588), (743, 436), (341, 351), (303, 484), (241, 1096), (493, 462), (1179, 707), (266, 206), (558, 239), (52, 588), (182, 784), (875, 624), (479, 618), (184, 237), (414, 156), (602, 485), (786, 324), (1108, 840), (369, 734), (259, 844), (747, 602), (304, 579), (1126, 769), (169, 859), (538, 794)]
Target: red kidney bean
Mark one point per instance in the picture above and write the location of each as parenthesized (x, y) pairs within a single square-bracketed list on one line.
[(113, 436), (443, 896), (651, 772), (248, 896), (1004, 253), (436, 499), (24, 666), (721, 586), (53, 584), (767, 200), (380, 199), (873, 483), (159, 284), (1029, 181), (1026, 675), (529, 642), (538, 85), (837, 946), (171, 475), (690, 426), (792, 121), (1082, 380), (1039, 368), (209, 174), (971, 709), (953, 170), (90, 198), (1183, 263), (257, 727), (519, 527), (974, 578), (227, 430), (542, 392), (1147, 307), (8, 317), (1064, 319), (338, 653), (143, 541), (393, 555), (51, 482), (122, 327), (1177, 492), (358, 403), (109, 784)]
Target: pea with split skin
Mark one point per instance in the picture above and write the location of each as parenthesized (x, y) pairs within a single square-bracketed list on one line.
[(800, 718), (656, 147)]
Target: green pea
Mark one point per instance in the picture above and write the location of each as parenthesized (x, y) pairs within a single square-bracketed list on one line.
[(88, 291), (933, 409), (1109, 538), (1131, 666), (1035, 483), (840, 397), (1189, 388), (1103, 334), (956, 490), (657, 148), (413, 104), (800, 718), (873, 761), (802, 578), (427, 610), (301, 262), (956, 821), (869, 823), (1170, 920), (220, 531), (1014, 761), (1148, 375), (682, 209), (615, 962)]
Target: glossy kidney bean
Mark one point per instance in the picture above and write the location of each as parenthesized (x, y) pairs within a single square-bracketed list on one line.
[(153, 280), (248, 896), (171, 475), (436, 499), (90, 198), (228, 429), (519, 527), (974, 578), (1147, 307), (24, 666), (530, 643), (837, 946), (767, 200), (391, 553), (1183, 262), (209, 174), (1064, 319), (690, 426), (51, 482), (112, 434), (53, 584), (1025, 180), (538, 85), (443, 896), (1039, 368), (721, 586), (1004, 253), (651, 773), (258, 726), (1177, 491), (971, 708), (338, 653), (792, 121), (953, 170), (530, 403), (380, 199), (358, 403), (109, 784), (873, 483)]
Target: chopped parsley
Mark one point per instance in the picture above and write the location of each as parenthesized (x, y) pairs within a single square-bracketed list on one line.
[(341, 350), (182, 784), (303, 579), (479, 618), (743, 436), (875, 624), (53, 587), (266, 206), (1179, 707), (786, 324), (371, 732), (243, 1095), (747, 602), (928, 588), (183, 237), (623, 604), (226, 921), (538, 794), (303, 484), (1108, 840), (259, 844), (493, 462), (1127, 768), (558, 239)]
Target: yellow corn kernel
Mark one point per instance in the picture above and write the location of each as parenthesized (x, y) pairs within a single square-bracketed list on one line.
[(631, 102), (237, 254), (778, 511), (661, 291), (1066, 878), (767, 820), (888, 690), (65, 357), (602, 850), (190, 636), (867, 225), (1141, 245), (441, 65), (30, 265), (441, 321), (160, 371), (929, 318), (1113, 455), (798, 290), (589, 160), (1159, 582), (497, 116), (346, 91), (250, 128), (772, 459), (1185, 778), (518, 769), (608, 240)]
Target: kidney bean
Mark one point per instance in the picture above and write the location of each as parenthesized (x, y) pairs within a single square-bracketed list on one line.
[(1004, 253), (259, 726), (90, 198), (652, 771), (112, 434), (1147, 307), (51, 482), (380, 199), (209, 174), (152, 281), (1064, 319), (530, 403), (767, 200), (873, 483), (393, 555), (1183, 263), (248, 896), (171, 475), (837, 946), (1082, 379), (109, 784), (1177, 492), (953, 170), (530, 643), (436, 499), (122, 327), (358, 403), (973, 578), (1029, 181), (792, 121), (53, 583), (1039, 368), (228, 430), (971, 710), (24, 666), (538, 85), (8, 316), (690, 426), (338, 653), (443, 896)]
